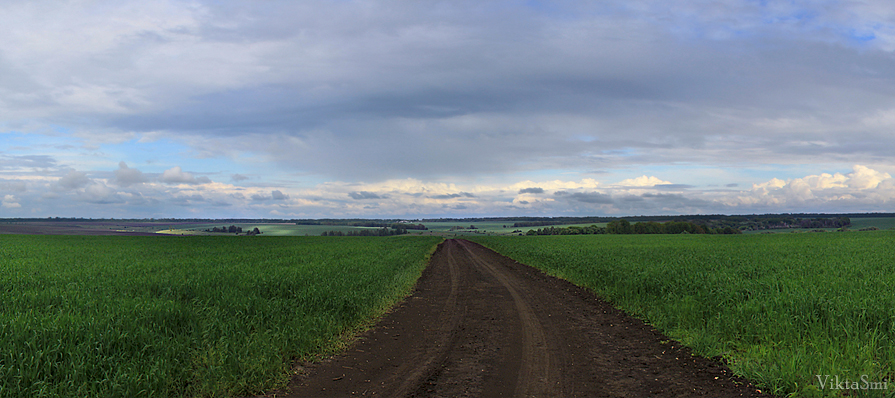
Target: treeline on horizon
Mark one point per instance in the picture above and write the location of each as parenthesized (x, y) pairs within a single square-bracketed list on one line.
[(732, 225), (782, 220), (233, 230), (625, 227), (384, 231)]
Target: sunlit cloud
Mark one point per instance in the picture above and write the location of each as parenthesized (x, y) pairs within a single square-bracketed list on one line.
[(176, 175)]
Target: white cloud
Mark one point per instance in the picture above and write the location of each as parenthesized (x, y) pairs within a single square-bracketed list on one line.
[(176, 175), (642, 181), (864, 189), (865, 178), (9, 202), (100, 193)]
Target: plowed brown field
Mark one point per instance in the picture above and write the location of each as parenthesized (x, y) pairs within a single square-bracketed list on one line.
[(480, 324)]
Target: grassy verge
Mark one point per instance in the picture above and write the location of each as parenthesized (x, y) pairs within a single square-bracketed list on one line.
[(782, 309), (88, 316)]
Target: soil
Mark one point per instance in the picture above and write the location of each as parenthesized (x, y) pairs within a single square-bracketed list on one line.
[(482, 325), (65, 228)]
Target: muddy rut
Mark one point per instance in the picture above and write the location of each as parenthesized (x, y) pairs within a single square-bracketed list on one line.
[(482, 325)]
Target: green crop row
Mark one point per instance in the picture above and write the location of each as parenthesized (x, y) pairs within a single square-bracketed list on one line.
[(89, 316), (782, 309)]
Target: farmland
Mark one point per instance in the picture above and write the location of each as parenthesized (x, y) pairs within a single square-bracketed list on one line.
[(434, 227), (226, 316), (192, 316), (779, 308)]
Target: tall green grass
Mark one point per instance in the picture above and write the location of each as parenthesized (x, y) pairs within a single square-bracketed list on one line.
[(84, 316), (780, 308)]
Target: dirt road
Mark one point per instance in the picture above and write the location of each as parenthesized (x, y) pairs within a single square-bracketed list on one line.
[(480, 324)]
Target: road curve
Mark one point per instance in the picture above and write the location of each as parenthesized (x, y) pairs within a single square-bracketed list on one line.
[(480, 324)]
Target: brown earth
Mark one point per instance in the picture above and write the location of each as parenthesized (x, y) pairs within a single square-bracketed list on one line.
[(480, 324), (65, 228)]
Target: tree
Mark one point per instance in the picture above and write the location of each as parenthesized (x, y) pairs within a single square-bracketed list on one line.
[(619, 227)]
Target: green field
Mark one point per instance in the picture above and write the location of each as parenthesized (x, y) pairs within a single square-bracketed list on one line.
[(781, 308), (879, 222), (88, 316)]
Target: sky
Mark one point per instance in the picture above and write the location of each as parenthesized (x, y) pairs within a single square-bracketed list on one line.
[(417, 109)]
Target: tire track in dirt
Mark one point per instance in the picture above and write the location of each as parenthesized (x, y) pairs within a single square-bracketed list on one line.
[(444, 338), (480, 324), (535, 379)]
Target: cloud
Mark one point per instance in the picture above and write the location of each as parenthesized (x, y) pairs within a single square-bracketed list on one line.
[(433, 93), (73, 180), (274, 195), (13, 162), (673, 187), (643, 181), (9, 202), (453, 195), (363, 195), (862, 189), (126, 176), (100, 194), (188, 200), (410, 108), (177, 176), (586, 197), (13, 186), (76, 185), (863, 177)]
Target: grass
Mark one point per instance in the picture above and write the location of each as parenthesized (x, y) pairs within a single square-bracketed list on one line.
[(879, 222), (780, 308), (88, 316)]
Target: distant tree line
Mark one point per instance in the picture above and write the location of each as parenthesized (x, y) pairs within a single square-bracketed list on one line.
[(756, 221), (779, 222), (625, 227), (573, 230), (233, 230), (418, 227), (671, 227), (384, 231)]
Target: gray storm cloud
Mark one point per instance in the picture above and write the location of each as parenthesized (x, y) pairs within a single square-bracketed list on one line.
[(418, 91), (366, 92)]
